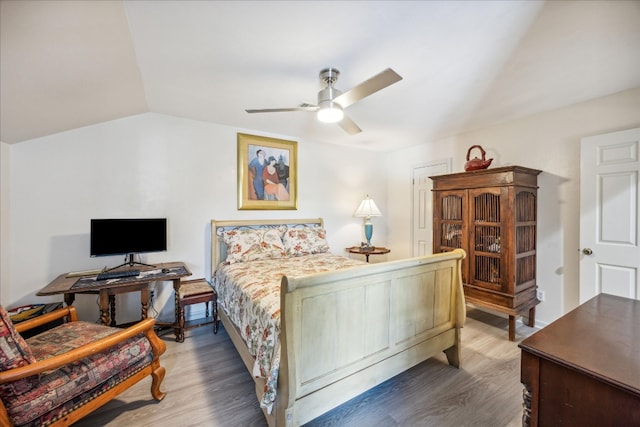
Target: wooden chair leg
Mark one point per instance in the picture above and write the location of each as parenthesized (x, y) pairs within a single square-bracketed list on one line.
[(156, 380), (180, 334)]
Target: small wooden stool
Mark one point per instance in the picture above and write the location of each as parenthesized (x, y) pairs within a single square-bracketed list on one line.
[(193, 292)]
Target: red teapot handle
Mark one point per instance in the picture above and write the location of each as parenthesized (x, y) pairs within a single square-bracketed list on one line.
[(476, 146)]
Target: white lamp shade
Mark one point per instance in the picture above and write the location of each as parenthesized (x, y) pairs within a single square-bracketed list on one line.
[(367, 209)]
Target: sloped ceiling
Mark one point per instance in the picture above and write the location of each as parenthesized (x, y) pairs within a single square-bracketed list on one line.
[(465, 64)]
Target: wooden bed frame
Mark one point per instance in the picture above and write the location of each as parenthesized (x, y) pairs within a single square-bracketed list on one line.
[(346, 331)]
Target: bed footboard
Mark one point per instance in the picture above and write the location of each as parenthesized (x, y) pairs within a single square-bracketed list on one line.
[(347, 331)]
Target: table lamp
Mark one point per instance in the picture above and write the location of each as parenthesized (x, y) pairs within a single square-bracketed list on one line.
[(366, 210)]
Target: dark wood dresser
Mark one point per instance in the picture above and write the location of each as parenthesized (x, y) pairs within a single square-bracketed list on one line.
[(584, 368)]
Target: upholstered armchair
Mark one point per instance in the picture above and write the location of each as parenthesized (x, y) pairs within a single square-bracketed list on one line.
[(60, 375)]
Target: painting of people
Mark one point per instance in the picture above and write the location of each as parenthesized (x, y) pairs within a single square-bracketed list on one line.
[(266, 173)]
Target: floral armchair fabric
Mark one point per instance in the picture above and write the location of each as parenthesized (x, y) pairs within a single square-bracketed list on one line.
[(61, 375)]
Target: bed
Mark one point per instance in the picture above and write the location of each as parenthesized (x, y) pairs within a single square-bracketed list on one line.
[(316, 329)]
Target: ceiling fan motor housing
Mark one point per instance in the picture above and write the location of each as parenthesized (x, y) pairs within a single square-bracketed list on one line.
[(328, 94), (329, 76)]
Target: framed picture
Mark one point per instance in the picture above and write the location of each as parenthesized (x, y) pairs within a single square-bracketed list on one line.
[(267, 173)]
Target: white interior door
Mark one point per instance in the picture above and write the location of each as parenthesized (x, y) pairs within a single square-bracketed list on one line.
[(422, 234), (609, 207)]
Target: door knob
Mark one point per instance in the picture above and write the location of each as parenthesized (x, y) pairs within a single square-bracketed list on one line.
[(587, 251)]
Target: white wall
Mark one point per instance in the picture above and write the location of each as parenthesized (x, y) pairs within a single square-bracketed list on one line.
[(549, 142), (153, 165)]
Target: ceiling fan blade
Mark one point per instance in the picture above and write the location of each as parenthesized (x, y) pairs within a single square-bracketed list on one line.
[(349, 125), (368, 87), (310, 108)]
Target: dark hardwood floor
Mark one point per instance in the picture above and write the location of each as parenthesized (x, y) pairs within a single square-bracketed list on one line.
[(207, 385)]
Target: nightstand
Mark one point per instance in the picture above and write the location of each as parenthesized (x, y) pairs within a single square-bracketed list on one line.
[(373, 250)]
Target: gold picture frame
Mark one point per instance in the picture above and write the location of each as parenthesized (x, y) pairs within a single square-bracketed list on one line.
[(259, 188)]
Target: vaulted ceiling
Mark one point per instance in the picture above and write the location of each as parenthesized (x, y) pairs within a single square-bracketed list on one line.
[(465, 64)]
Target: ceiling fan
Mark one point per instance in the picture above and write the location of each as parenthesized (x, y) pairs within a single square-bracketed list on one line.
[(332, 101)]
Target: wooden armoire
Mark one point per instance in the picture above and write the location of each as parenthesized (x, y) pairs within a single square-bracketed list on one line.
[(491, 214)]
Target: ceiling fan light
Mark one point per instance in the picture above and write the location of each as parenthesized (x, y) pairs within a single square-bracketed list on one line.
[(330, 113)]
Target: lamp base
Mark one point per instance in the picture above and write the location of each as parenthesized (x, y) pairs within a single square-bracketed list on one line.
[(368, 232)]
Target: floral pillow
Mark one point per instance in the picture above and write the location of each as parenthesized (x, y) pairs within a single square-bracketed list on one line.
[(305, 241), (14, 351), (253, 244)]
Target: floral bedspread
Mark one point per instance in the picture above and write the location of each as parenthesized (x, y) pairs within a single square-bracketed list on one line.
[(249, 293)]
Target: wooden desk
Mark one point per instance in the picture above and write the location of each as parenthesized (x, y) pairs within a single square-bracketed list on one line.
[(584, 368), (374, 250), (107, 289)]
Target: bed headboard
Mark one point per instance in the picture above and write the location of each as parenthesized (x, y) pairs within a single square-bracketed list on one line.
[(218, 247)]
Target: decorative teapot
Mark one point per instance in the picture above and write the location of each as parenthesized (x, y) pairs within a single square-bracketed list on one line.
[(476, 163)]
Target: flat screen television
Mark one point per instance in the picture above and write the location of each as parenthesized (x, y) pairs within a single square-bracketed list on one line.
[(128, 236)]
